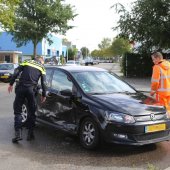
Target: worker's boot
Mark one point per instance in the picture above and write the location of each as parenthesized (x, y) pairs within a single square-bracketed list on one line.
[(18, 136), (30, 135)]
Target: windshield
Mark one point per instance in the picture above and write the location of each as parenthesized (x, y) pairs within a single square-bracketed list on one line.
[(6, 66), (101, 82)]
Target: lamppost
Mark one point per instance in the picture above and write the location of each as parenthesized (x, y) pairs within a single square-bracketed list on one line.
[(67, 53), (86, 51)]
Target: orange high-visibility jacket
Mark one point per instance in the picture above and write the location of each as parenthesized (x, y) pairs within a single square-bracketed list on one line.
[(160, 81)]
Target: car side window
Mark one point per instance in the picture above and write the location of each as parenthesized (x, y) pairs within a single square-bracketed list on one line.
[(61, 81), (48, 77)]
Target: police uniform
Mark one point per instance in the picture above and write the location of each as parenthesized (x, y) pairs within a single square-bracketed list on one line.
[(30, 71)]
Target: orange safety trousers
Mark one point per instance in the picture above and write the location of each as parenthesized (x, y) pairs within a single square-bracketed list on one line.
[(164, 100)]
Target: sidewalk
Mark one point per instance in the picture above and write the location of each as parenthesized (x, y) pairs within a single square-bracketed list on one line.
[(141, 84)]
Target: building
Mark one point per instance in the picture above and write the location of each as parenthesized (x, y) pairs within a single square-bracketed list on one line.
[(44, 48), (9, 56)]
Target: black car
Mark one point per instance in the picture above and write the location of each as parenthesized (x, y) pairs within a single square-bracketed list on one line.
[(6, 71), (97, 105)]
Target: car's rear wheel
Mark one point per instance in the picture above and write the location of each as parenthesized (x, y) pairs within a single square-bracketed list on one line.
[(89, 134)]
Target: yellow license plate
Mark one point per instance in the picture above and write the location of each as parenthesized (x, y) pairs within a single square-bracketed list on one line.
[(4, 77), (155, 128)]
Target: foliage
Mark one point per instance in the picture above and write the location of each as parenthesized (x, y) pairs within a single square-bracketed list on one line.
[(72, 53), (35, 19), (62, 60), (120, 46), (7, 10), (85, 51), (148, 22), (108, 49), (95, 53), (105, 43), (137, 65), (151, 167)]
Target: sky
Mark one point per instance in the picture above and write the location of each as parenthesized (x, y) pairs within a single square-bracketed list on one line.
[(94, 22)]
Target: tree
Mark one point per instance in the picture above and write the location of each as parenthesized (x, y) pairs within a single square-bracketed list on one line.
[(72, 53), (105, 43), (95, 53), (85, 51), (120, 46), (148, 22), (7, 10), (35, 19)]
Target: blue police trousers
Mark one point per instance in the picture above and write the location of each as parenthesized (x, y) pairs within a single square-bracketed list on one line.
[(24, 95)]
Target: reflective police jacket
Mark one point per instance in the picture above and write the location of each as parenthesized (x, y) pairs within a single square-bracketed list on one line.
[(160, 81), (30, 71)]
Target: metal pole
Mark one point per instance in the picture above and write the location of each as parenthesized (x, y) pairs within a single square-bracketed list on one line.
[(67, 53), (126, 65)]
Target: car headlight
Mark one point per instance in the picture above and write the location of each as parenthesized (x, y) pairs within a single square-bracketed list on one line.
[(6, 74), (119, 117)]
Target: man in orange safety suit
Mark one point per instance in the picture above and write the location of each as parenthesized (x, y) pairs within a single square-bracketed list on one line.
[(160, 82)]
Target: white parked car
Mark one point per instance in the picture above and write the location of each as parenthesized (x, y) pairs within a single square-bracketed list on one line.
[(6, 71), (72, 63), (88, 60)]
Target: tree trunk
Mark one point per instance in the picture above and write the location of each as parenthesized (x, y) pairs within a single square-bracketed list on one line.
[(35, 47), (35, 50)]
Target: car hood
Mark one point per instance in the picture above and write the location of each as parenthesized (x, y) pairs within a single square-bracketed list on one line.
[(134, 103)]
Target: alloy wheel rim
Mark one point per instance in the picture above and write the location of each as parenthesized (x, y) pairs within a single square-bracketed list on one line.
[(88, 133), (24, 113)]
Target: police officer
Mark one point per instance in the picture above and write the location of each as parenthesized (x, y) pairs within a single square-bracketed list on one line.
[(30, 71)]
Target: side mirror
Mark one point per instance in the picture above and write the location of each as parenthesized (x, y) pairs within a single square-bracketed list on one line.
[(66, 92)]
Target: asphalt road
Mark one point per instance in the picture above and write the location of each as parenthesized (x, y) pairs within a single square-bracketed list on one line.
[(55, 150)]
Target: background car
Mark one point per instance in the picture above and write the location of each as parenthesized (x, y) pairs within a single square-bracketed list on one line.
[(6, 71), (72, 63), (88, 60), (96, 105), (95, 62)]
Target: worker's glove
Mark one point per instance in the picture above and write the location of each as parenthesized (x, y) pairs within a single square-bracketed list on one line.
[(152, 93)]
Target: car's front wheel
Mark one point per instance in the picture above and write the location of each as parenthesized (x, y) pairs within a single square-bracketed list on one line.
[(24, 113), (89, 134)]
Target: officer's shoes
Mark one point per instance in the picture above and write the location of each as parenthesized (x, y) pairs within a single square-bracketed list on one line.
[(30, 135), (18, 136)]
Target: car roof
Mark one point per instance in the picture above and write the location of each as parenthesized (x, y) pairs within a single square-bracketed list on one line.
[(77, 68)]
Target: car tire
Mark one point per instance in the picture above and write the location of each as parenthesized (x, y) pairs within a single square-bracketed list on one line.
[(6, 80), (24, 113), (89, 134)]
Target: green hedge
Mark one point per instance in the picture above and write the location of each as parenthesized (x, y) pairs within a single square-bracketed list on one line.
[(137, 65)]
